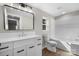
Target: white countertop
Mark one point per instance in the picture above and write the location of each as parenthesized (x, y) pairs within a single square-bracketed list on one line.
[(3, 40)]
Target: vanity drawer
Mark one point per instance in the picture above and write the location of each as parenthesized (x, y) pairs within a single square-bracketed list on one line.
[(20, 43), (20, 51), (26, 42), (23, 42), (6, 46), (7, 53)]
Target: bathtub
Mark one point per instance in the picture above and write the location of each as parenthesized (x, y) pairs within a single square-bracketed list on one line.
[(67, 45), (75, 47), (64, 45)]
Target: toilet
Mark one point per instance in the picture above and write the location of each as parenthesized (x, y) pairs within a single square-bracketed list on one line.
[(51, 46)]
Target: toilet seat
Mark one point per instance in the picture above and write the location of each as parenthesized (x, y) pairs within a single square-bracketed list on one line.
[(51, 42)]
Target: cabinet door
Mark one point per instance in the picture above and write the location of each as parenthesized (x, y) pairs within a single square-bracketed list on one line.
[(7, 53), (34, 49), (39, 49), (20, 51), (31, 50), (6, 46)]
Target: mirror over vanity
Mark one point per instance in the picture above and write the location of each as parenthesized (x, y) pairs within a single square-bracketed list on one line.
[(16, 19)]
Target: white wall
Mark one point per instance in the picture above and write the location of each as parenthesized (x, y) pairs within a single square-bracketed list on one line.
[(67, 27), (39, 14), (52, 27)]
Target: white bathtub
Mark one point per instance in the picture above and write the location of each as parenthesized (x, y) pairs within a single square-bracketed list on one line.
[(75, 47), (64, 45)]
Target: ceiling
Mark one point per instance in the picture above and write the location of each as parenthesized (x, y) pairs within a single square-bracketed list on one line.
[(56, 9)]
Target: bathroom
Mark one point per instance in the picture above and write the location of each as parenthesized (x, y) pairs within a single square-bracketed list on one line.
[(37, 29)]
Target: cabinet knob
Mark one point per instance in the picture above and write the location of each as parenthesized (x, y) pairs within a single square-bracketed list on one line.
[(4, 48), (39, 39), (31, 46), (20, 51)]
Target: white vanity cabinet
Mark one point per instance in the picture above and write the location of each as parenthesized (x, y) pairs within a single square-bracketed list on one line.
[(22, 47), (31, 49), (39, 49), (34, 49), (20, 51), (6, 49), (28, 47), (7, 53)]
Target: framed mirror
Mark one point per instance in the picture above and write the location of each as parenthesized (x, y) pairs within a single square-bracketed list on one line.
[(17, 19)]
